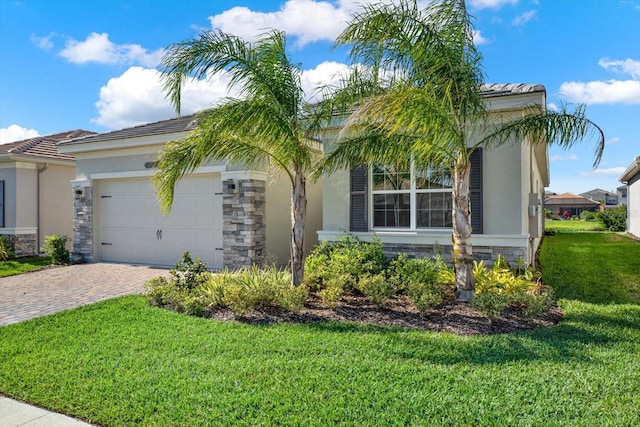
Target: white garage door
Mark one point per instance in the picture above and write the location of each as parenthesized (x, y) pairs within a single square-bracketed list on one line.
[(131, 228)]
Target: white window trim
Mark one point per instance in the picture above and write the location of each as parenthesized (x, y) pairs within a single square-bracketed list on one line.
[(412, 191)]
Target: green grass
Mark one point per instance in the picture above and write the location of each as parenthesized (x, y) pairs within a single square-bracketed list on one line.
[(599, 268), (121, 362), (571, 226), (22, 265)]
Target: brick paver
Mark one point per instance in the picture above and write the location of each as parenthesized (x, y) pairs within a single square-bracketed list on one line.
[(48, 291)]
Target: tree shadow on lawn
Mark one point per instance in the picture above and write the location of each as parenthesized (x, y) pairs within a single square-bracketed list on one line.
[(572, 340)]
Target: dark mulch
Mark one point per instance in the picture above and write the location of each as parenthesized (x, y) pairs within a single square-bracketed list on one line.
[(452, 316)]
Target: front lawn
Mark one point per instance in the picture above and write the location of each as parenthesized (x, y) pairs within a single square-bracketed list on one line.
[(571, 225), (22, 265), (599, 268), (121, 362)]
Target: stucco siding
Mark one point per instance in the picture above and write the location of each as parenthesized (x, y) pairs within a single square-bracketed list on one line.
[(8, 175), (56, 201), (502, 190), (633, 206), (278, 217), (26, 200)]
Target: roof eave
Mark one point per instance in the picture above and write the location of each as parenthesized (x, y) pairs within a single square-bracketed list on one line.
[(631, 171)]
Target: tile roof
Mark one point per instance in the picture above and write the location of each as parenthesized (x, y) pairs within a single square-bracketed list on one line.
[(187, 123), (569, 199), (490, 90), (43, 146), (178, 124)]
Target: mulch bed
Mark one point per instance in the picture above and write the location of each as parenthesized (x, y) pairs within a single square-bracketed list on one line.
[(452, 316)]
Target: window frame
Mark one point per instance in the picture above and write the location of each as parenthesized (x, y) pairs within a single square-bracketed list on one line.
[(413, 192)]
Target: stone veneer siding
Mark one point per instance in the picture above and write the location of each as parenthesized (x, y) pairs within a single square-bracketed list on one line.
[(244, 231), (23, 244), (83, 224), (480, 253)]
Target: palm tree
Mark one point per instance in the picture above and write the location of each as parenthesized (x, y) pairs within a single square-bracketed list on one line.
[(269, 124), (428, 109)]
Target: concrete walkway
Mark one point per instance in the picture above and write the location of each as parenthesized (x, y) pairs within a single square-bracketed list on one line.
[(44, 292)]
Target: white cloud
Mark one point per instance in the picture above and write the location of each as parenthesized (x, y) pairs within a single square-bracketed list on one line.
[(491, 4), (14, 133), (560, 158), (43, 42), (136, 97), (98, 48), (627, 66), (599, 92), (613, 140), (605, 172), (523, 18), (479, 39), (306, 20), (553, 107)]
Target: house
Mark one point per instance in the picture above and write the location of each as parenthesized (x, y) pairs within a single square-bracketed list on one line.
[(570, 204), (507, 190), (622, 195), (631, 177), (34, 191), (608, 198), (223, 214)]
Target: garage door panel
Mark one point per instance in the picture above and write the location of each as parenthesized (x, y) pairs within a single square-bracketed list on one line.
[(129, 218)]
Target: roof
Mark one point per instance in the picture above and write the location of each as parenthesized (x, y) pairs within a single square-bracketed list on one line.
[(43, 146), (491, 90), (187, 123), (632, 170), (175, 125), (569, 199)]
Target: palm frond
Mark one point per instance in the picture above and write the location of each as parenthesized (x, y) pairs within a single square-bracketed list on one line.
[(561, 128)]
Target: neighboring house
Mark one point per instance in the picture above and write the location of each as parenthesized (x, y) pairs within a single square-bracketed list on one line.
[(622, 195), (223, 214), (507, 186), (608, 198), (631, 177), (34, 191), (572, 203)]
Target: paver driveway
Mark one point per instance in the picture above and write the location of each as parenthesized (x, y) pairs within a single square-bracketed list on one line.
[(48, 291)]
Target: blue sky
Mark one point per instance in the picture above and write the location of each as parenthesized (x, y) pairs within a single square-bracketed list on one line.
[(78, 64)]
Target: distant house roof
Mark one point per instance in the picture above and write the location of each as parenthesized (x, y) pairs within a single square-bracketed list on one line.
[(569, 199), (632, 170), (178, 124), (43, 146)]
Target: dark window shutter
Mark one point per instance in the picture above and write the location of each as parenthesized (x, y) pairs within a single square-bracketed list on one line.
[(358, 205), (476, 190)]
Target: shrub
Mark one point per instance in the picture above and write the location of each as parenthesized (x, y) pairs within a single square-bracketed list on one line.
[(614, 219), (6, 249), (491, 304), (499, 287), (588, 216), (376, 287), (189, 273), (334, 269), (55, 247), (420, 279)]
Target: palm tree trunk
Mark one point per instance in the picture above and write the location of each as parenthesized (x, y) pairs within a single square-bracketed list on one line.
[(462, 249), (298, 213)]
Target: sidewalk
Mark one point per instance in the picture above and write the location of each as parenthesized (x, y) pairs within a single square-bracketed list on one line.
[(40, 293), (17, 414)]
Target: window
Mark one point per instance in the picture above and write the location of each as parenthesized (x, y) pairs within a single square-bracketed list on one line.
[(403, 198), (410, 199)]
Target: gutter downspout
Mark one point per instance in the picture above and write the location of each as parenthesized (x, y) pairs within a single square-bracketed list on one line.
[(40, 170)]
